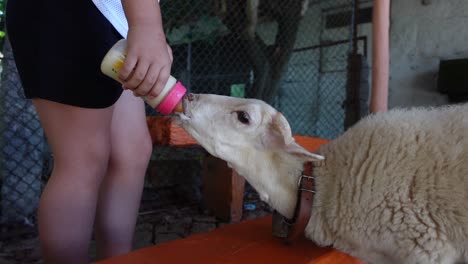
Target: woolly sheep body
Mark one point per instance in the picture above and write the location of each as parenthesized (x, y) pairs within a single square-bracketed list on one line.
[(396, 185)]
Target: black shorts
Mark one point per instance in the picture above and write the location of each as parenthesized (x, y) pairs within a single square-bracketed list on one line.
[(58, 47)]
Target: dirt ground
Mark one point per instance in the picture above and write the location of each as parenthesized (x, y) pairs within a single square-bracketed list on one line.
[(163, 217)]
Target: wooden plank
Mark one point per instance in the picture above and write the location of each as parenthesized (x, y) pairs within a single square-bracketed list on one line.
[(309, 143), (247, 242), (165, 133)]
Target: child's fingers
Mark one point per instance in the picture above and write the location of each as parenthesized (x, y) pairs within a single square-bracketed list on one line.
[(127, 67), (148, 82), (137, 76), (161, 82)]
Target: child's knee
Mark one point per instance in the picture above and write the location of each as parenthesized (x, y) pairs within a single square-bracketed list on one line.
[(134, 153)]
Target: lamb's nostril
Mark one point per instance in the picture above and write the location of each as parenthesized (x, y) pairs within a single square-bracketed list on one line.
[(190, 96)]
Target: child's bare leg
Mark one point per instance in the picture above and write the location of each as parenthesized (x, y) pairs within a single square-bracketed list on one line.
[(121, 189), (79, 139)]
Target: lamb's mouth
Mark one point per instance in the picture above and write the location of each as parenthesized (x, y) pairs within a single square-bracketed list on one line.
[(182, 117), (185, 115)]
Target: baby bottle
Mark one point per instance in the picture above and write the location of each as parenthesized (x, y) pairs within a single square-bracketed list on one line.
[(168, 101)]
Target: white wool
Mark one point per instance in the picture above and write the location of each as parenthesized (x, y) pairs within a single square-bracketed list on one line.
[(395, 188)]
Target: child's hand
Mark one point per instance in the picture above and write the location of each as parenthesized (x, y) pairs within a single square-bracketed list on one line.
[(148, 63), (147, 66)]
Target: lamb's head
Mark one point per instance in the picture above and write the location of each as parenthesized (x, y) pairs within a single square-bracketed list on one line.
[(254, 139)]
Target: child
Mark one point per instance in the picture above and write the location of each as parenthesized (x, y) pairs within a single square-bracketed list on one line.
[(97, 130)]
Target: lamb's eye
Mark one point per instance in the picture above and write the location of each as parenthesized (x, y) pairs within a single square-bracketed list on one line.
[(243, 117)]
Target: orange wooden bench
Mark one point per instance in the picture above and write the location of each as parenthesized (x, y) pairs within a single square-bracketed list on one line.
[(240, 243)]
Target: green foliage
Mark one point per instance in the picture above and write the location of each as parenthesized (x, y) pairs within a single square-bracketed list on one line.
[(238, 90), (177, 13), (206, 28), (191, 20)]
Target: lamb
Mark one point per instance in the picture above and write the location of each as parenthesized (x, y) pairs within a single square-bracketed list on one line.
[(392, 189)]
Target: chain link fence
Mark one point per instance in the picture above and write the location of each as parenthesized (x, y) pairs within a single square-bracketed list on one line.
[(291, 53), (22, 149)]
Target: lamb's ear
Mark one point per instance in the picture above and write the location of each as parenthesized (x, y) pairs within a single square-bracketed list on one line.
[(296, 150), (277, 133)]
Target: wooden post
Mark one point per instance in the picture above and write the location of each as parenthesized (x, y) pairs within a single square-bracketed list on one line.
[(223, 190), (380, 55)]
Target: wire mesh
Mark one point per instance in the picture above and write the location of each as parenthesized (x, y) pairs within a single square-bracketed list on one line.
[(22, 149), (259, 49), (291, 53)]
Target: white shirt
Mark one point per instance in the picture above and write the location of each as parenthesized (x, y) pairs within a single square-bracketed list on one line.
[(114, 12)]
